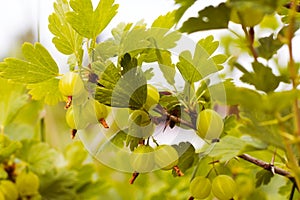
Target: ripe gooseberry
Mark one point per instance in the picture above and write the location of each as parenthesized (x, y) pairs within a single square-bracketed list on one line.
[(224, 187), (142, 159), (200, 187), (247, 16), (74, 122), (140, 124), (71, 84), (27, 183), (166, 157), (209, 124), (9, 190)]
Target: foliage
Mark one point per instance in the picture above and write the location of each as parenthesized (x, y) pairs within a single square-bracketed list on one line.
[(256, 150)]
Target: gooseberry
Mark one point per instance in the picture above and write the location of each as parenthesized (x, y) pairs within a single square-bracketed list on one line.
[(224, 187), (209, 124), (166, 157)]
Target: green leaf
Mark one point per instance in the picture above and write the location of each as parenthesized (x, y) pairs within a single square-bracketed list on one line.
[(127, 91), (166, 66), (262, 78), (84, 176), (131, 39), (87, 22), (149, 74), (13, 98), (127, 63), (227, 148), (104, 50), (184, 5), (39, 156), (39, 66), (186, 153), (201, 64), (230, 147), (207, 19), (165, 21), (263, 177), (268, 46), (8, 147), (58, 185), (46, 91), (119, 139), (75, 155), (66, 39)]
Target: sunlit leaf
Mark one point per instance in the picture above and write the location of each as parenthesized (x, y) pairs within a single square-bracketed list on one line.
[(126, 91), (39, 156), (39, 66), (66, 39), (194, 68), (88, 22), (51, 95)]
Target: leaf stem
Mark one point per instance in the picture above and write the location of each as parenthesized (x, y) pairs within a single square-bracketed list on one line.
[(250, 39)]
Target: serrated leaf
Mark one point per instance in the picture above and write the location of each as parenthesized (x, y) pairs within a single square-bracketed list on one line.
[(165, 21), (262, 78), (184, 5), (13, 98), (263, 177), (84, 176), (207, 19), (8, 147), (162, 38), (128, 63), (39, 66), (268, 46), (58, 185), (46, 91), (149, 74), (66, 39), (127, 91), (75, 155), (86, 21), (227, 148), (104, 50), (200, 65), (39, 156)]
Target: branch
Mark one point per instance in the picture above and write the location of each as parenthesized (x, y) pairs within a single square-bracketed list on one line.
[(173, 118), (246, 157), (265, 165)]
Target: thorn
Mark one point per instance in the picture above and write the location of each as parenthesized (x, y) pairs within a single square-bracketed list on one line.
[(191, 198), (103, 123), (134, 176)]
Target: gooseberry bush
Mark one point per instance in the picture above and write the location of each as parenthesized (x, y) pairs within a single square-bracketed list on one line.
[(178, 119)]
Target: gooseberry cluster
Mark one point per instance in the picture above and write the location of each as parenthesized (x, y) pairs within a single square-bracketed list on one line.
[(82, 110), (222, 187)]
